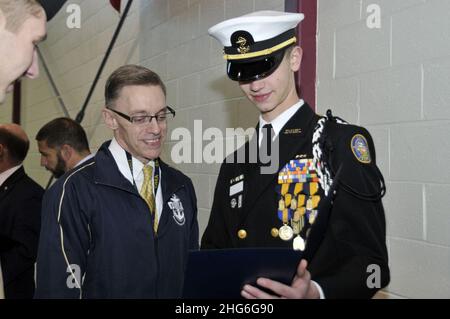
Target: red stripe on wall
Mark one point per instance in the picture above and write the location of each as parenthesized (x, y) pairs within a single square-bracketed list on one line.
[(115, 4), (306, 77)]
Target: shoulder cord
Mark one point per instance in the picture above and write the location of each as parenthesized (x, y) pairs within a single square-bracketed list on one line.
[(318, 141), (324, 170)]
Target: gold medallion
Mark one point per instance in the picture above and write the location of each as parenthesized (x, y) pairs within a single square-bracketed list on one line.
[(286, 233)]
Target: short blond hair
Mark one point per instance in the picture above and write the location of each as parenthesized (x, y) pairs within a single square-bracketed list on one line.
[(17, 11)]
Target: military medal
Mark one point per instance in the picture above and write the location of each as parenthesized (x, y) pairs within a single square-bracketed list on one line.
[(298, 243), (297, 222), (298, 185), (312, 217), (293, 204), (297, 225), (285, 232)]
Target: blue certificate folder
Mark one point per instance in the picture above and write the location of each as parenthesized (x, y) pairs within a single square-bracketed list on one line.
[(221, 273)]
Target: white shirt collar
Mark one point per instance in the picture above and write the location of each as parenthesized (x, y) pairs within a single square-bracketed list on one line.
[(280, 121), (121, 160), (85, 159), (6, 174)]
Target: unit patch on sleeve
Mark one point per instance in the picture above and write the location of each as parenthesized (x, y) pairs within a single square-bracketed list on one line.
[(360, 149)]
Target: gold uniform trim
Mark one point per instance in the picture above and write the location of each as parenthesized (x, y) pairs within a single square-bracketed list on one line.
[(260, 53)]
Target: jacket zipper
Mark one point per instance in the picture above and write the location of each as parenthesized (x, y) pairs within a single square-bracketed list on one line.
[(155, 234)]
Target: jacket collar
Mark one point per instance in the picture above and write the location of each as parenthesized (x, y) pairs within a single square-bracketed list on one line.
[(107, 173)]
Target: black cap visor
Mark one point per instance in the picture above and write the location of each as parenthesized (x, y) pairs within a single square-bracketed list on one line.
[(254, 69)]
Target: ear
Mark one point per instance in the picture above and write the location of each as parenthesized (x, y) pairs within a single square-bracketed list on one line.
[(296, 58), (109, 120), (66, 152)]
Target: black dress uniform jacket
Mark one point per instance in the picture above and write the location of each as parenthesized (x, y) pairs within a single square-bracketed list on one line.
[(95, 221), (20, 214), (354, 237)]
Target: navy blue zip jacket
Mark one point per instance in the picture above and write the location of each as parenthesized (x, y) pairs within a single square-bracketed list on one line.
[(97, 239)]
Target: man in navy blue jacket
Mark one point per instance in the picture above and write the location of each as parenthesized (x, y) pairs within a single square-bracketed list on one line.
[(121, 224)]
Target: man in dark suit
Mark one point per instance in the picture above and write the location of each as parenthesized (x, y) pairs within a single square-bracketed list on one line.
[(315, 186), (20, 206)]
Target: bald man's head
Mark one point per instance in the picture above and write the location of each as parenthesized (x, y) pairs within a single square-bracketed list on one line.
[(14, 143)]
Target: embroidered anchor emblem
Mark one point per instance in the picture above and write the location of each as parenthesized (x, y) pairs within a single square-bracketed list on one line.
[(177, 209), (242, 48)]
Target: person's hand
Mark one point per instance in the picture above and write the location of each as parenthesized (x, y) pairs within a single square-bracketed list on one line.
[(301, 287)]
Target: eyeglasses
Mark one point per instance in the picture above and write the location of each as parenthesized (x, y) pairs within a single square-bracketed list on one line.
[(146, 119)]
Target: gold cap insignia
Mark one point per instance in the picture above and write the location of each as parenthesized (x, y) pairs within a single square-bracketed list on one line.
[(242, 45)]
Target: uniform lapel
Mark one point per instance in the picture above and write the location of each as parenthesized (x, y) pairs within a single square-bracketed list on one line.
[(293, 137), (7, 186)]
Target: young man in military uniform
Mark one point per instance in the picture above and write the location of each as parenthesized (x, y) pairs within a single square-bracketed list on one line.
[(326, 177)]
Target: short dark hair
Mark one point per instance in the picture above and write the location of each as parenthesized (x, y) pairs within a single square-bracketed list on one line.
[(17, 147), (129, 75), (17, 11), (64, 130)]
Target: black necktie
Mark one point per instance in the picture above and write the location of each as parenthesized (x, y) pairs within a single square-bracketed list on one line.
[(265, 149)]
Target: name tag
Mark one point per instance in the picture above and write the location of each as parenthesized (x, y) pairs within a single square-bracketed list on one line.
[(236, 188)]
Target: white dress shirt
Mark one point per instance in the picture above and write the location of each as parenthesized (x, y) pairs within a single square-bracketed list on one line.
[(6, 174), (121, 160), (280, 120)]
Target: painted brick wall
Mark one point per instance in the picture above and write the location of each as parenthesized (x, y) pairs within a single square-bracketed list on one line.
[(394, 80)]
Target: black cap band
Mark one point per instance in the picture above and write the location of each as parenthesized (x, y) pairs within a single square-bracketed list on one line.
[(253, 46), (51, 7)]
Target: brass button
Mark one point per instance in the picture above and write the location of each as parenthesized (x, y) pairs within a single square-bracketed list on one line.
[(242, 234), (274, 232)]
